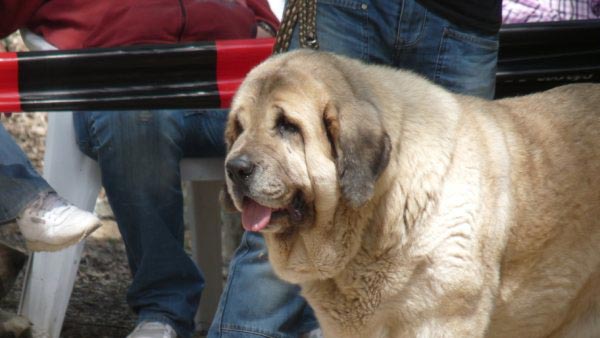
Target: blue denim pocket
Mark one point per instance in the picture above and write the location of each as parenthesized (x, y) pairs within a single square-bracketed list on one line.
[(477, 42), (467, 62), (412, 24)]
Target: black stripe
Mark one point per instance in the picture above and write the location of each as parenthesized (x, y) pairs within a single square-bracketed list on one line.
[(537, 56), (148, 77)]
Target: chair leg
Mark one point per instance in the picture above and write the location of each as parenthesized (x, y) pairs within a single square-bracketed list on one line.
[(50, 277), (205, 228)]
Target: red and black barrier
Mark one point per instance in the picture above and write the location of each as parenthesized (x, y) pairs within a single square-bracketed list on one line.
[(533, 57), (200, 75)]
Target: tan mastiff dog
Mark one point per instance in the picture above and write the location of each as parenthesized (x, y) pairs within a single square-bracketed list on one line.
[(404, 210)]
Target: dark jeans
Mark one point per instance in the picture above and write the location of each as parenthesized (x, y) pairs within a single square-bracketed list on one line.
[(20, 183), (139, 154)]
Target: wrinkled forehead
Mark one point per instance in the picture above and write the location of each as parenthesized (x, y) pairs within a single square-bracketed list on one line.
[(288, 89)]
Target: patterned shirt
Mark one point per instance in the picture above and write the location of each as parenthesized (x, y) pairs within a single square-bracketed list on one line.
[(521, 11)]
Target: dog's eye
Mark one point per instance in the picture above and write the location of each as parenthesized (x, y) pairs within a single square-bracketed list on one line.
[(238, 127), (284, 126)]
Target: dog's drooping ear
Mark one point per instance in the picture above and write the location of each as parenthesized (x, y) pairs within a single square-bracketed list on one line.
[(360, 145), (233, 129)]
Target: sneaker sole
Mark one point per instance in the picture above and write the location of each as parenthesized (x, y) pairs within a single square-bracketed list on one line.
[(49, 247)]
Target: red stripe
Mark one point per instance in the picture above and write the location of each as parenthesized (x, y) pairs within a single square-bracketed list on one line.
[(9, 83), (235, 58)]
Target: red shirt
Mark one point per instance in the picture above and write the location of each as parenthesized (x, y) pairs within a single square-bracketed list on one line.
[(69, 24)]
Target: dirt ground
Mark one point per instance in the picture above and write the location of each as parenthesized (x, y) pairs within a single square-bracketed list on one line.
[(97, 307)]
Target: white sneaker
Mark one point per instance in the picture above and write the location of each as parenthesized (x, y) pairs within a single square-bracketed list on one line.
[(153, 330), (50, 223), (316, 333)]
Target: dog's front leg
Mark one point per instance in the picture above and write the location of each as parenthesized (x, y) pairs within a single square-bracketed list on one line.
[(450, 300)]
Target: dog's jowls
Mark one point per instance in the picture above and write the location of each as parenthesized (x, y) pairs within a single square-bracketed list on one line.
[(404, 210)]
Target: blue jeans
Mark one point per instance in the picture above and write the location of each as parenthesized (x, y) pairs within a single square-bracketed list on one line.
[(397, 33), (139, 153), (20, 183)]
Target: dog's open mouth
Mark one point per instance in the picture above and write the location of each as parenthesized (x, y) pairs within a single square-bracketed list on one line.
[(256, 217)]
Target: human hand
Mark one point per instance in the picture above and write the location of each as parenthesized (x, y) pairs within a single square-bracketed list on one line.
[(263, 30), (262, 33)]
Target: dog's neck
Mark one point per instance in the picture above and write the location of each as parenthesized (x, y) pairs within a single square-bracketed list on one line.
[(404, 199), (380, 265)]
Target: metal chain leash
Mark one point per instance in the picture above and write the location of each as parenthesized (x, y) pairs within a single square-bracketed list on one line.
[(303, 12)]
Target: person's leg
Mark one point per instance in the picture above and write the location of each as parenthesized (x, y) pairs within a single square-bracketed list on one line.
[(47, 221), (255, 303), (139, 154), (203, 132), (20, 183), (404, 34), (459, 59)]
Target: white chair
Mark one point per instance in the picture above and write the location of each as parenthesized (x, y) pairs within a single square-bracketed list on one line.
[(50, 277)]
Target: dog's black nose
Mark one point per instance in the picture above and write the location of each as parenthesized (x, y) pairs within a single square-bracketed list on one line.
[(239, 168)]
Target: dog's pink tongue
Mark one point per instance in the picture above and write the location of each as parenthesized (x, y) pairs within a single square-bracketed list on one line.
[(255, 217)]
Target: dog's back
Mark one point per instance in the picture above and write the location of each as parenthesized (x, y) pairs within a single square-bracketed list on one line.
[(551, 265)]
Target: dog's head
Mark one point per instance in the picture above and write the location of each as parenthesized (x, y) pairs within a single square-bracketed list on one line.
[(305, 145)]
